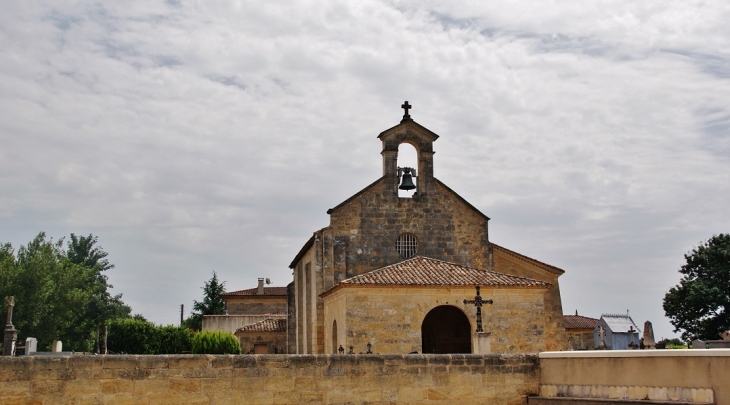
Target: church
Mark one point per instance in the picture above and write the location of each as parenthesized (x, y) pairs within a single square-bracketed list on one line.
[(395, 275)]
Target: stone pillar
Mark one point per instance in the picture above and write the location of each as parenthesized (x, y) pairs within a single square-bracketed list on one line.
[(480, 342), (390, 169), (425, 172), (11, 335)]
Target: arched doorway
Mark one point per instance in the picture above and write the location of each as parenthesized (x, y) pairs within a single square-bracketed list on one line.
[(446, 329)]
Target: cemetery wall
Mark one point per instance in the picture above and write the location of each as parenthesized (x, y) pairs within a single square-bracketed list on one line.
[(660, 375), (270, 379)]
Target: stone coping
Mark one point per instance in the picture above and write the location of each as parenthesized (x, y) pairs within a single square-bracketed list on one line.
[(636, 353), (279, 360)]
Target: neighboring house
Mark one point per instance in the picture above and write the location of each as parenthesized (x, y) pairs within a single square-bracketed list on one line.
[(620, 331), (254, 306), (264, 337), (580, 331)]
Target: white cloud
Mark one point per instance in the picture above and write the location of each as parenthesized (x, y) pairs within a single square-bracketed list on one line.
[(193, 137)]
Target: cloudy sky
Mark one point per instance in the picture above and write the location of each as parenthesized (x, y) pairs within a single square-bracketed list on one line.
[(200, 136)]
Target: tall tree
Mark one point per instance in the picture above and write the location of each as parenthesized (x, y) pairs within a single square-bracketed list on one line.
[(102, 306), (699, 305), (60, 295), (212, 303)]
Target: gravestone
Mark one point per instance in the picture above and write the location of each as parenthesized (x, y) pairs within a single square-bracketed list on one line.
[(31, 345), (57, 346), (698, 344)]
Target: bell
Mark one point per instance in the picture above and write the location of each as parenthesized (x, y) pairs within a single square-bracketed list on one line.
[(407, 181)]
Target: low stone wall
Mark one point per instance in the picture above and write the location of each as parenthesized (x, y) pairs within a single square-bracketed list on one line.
[(690, 376), (270, 379)]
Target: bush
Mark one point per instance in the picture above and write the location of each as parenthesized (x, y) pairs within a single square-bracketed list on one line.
[(216, 342), (136, 336)]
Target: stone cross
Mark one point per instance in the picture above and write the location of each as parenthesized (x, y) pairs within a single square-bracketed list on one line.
[(11, 304), (632, 344), (10, 334), (478, 302), (602, 335), (406, 107)]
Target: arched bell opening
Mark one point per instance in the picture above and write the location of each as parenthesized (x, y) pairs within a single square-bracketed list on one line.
[(407, 170), (446, 329)]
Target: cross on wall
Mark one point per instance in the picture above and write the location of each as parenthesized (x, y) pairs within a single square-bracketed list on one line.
[(478, 301)]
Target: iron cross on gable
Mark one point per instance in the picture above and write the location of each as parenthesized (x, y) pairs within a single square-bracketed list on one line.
[(406, 107), (478, 302)]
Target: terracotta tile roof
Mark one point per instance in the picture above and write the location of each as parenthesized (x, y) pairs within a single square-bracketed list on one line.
[(424, 271), (537, 263), (278, 291), (267, 325), (579, 322)]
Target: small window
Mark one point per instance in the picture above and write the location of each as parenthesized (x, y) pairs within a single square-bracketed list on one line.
[(406, 245)]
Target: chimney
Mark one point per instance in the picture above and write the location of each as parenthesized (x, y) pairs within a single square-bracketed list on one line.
[(261, 287)]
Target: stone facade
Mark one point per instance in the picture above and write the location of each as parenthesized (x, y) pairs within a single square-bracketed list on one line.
[(361, 238), (256, 301), (361, 316), (269, 379), (256, 305), (579, 330), (509, 262), (231, 323), (265, 337)]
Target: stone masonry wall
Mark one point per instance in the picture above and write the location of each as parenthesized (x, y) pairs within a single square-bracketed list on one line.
[(391, 318), (555, 337), (444, 225), (247, 305), (269, 379)]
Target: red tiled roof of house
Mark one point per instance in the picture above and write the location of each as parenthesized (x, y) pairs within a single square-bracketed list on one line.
[(278, 291), (579, 322), (424, 271), (267, 325)]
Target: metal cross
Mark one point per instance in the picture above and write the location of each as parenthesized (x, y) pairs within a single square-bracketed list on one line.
[(478, 302), (406, 107)]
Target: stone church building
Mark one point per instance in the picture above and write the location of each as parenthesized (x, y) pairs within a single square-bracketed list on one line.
[(394, 275)]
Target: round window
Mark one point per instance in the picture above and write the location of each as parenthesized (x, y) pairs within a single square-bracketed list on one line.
[(406, 245)]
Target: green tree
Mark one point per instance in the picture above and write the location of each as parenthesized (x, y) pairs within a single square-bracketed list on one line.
[(699, 305), (102, 306), (48, 289), (212, 303), (59, 295)]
